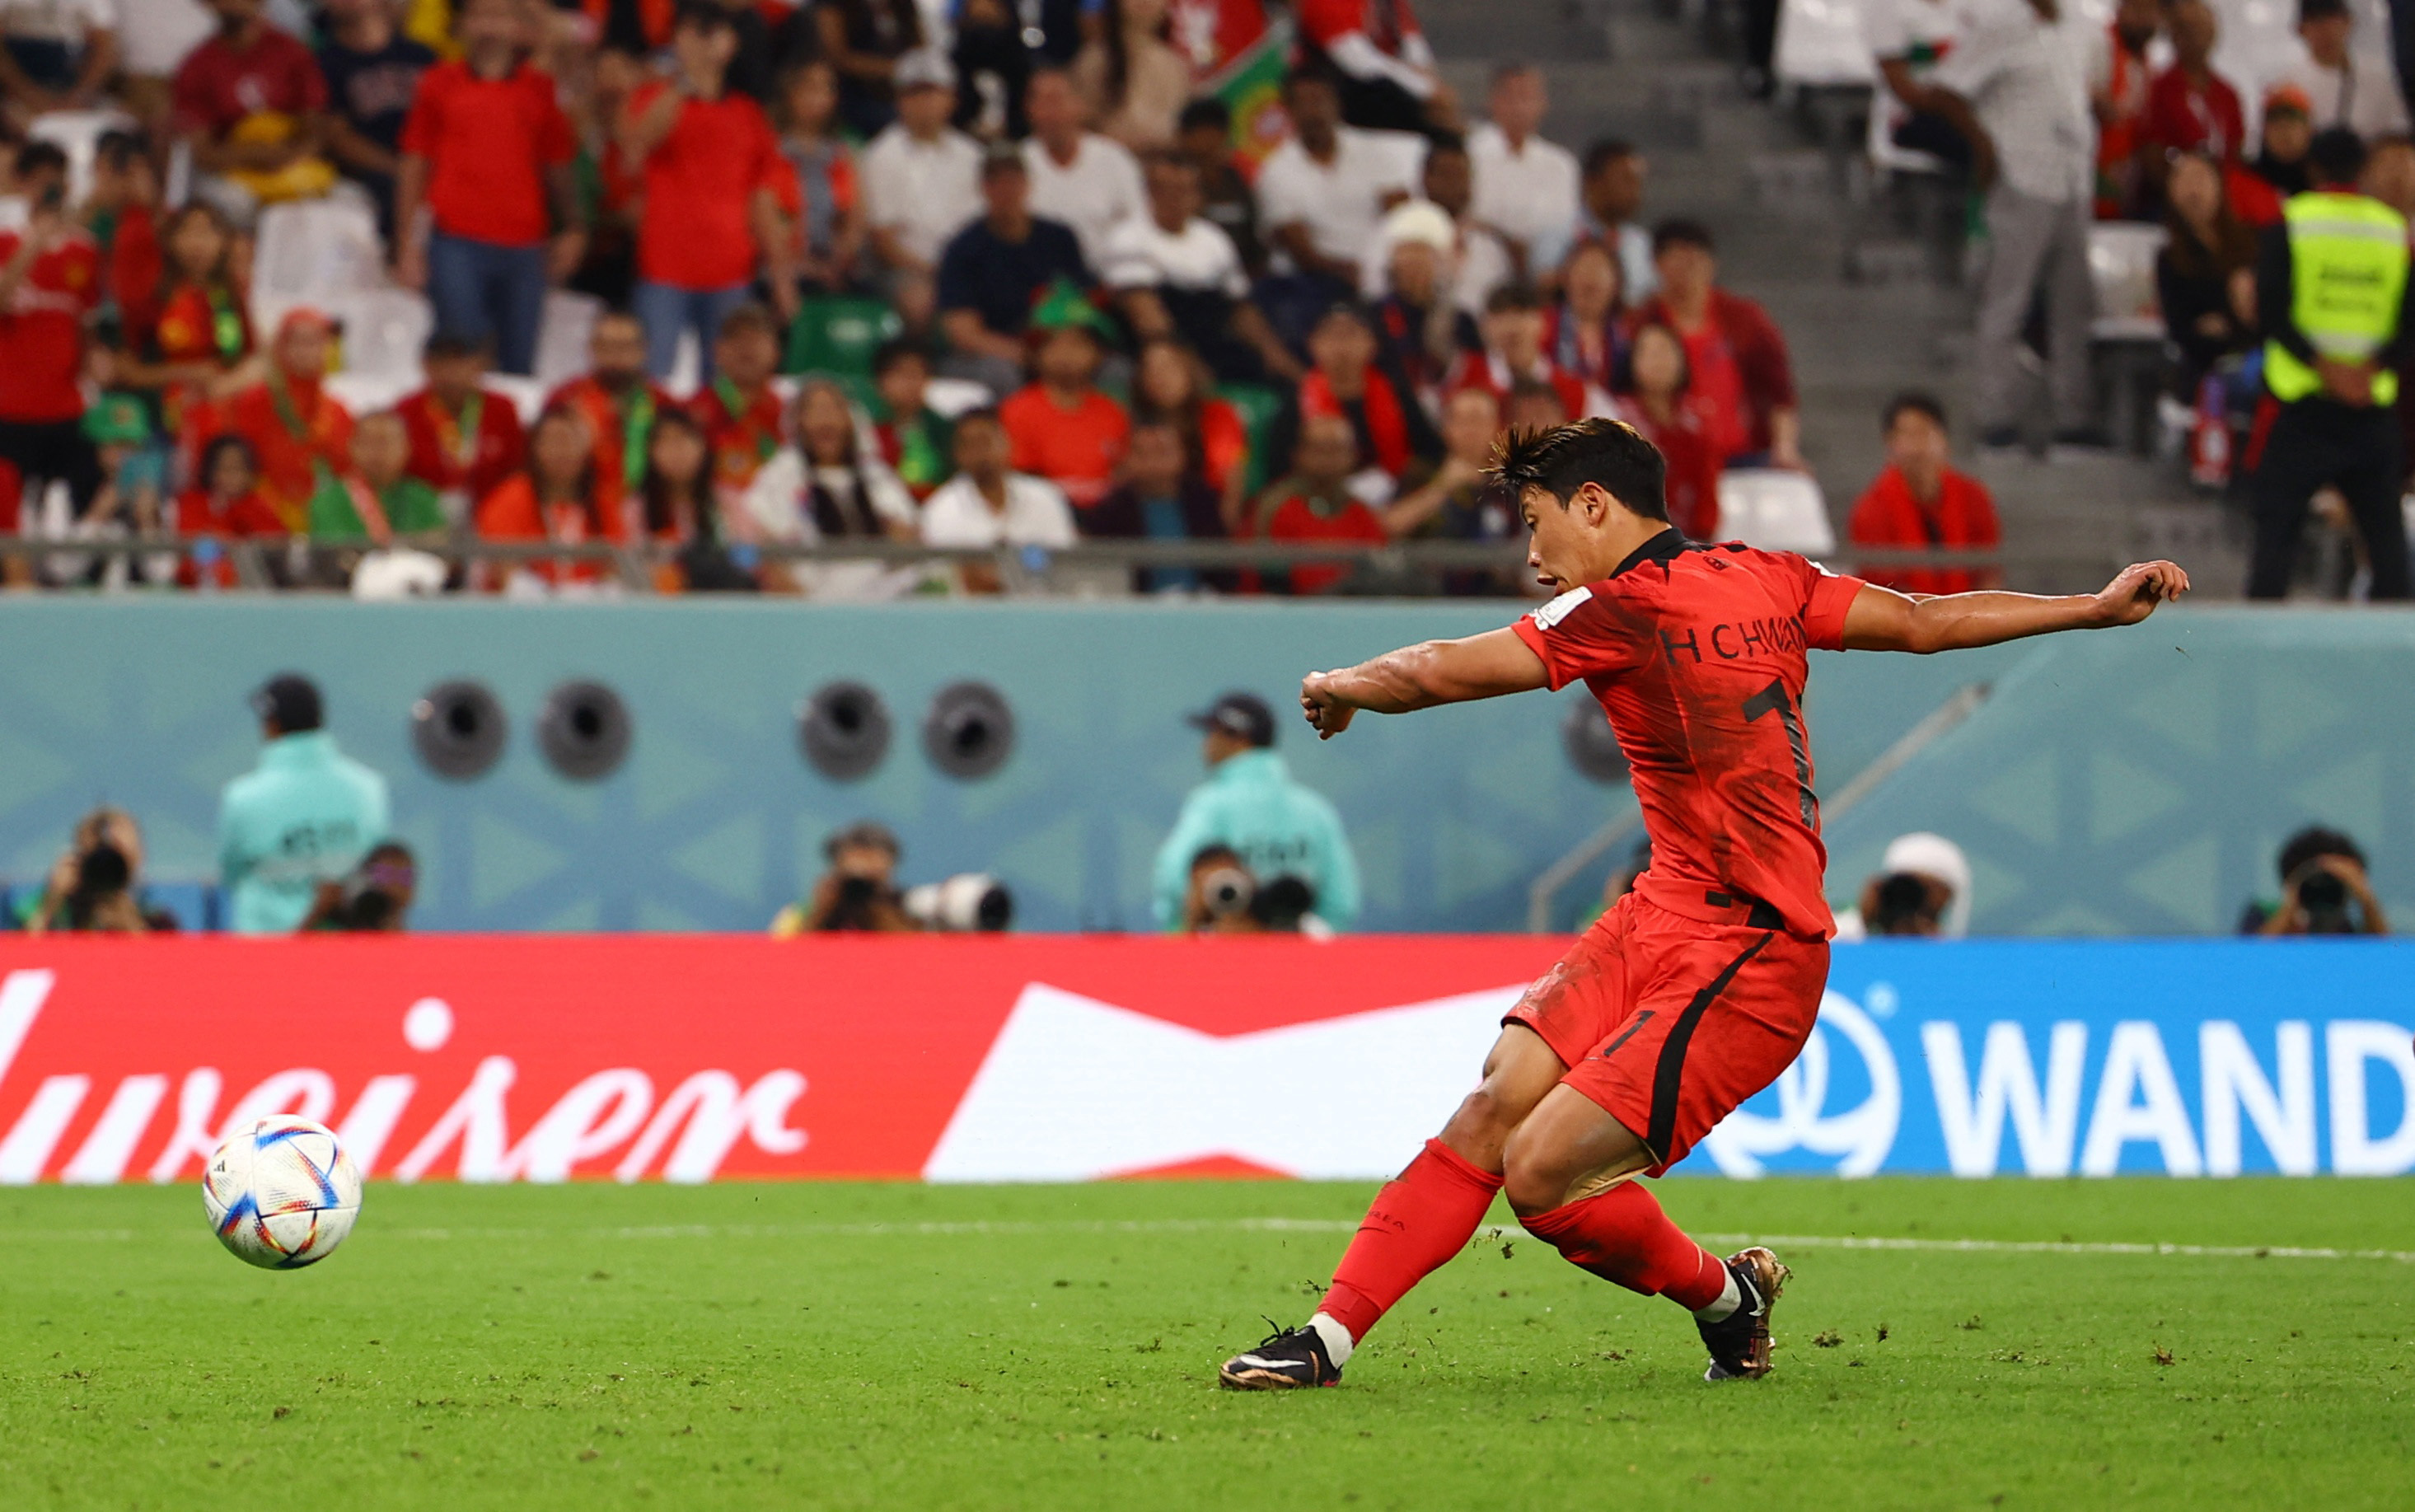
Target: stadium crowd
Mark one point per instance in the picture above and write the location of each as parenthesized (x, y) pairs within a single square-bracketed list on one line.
[(1110, 311)]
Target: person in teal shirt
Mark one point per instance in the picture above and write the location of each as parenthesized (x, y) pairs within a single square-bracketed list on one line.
[(306, 815), (1251, 804)]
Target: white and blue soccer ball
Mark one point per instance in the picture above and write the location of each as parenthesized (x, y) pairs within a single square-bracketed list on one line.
[(281, 1193)]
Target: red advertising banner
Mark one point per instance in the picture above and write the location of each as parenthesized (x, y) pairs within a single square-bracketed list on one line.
[(542, 1058)]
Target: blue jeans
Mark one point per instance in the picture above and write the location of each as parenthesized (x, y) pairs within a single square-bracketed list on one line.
[(666, 310), (487, 292)]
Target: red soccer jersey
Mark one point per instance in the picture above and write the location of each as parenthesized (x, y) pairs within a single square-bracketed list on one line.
[(42, 330), (489, 143), (1698, 655), (698, 230)]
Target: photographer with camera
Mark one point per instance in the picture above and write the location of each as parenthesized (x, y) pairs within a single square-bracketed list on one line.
[(2324, 891), (374, 900), (93, 888), (859, 894), (1251, 804), (1225, 898), (1922, 889)]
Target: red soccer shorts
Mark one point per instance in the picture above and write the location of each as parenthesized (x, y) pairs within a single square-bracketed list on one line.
[(1671, 1022)]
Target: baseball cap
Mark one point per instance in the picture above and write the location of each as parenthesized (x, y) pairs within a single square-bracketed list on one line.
[(292, 700), (925, 68), (1244, 717)]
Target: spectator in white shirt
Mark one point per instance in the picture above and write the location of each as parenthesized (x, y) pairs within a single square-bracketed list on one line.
[(829, 485), (1909, 39), (1321, 196), (2354, 88), (987, 505), (921, 182), (2017, 86), (1088, 181), (1612, 192), (1526, 188), (1176, 274)]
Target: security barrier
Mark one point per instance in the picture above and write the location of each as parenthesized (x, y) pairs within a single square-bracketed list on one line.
[(1055, 1058)]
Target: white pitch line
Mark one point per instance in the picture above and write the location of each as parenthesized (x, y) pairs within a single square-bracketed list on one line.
[(1489, 1233)]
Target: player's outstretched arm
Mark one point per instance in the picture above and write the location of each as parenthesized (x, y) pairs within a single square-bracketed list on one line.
[(1421, 676), (1880, 619)]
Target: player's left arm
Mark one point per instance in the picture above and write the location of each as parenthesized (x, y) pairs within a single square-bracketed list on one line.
[(1421, 676), (1880, 619)]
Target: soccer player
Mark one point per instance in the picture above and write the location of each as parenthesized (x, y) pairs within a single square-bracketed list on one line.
[(1700, 986)]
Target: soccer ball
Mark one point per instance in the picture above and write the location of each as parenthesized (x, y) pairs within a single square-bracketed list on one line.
[(281, 1193)]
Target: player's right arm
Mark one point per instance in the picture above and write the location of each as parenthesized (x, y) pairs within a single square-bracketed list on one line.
[(1421, 676), (1880, 619)]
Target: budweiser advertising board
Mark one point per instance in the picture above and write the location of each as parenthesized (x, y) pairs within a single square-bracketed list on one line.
[(687, 1058)]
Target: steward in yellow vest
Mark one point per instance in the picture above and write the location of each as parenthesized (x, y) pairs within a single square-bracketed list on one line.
[(2331, 296)]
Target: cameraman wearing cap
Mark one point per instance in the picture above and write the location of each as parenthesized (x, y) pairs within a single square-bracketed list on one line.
[(307, 815), (1249, 803)]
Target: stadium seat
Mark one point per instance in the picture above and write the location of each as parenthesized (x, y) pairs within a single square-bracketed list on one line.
[(367, 392), (839, 336), (2122, 264), (1775, 510), (314, 252), (526, 394), (1820, 44), (78, 134), (952, 396), (562, 339)]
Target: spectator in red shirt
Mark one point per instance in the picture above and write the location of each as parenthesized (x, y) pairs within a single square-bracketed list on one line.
[(2190, 108), (224, 502), (1314, 502), (718, 193), (1743, 388), (1920, 500), (1513, 328), (618, 403), (464, 441), (557, 498), (1346, 380), (1060, 426), (739, 412), (1170, 386), (1651, 399), (49, 286), (252, 104), (195, 351), (296, 428), (487, 148)]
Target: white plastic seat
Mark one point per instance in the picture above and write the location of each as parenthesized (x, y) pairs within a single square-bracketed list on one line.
[(2122, 264), (367, 392), (1775, 510), (526, 394), (314, 252), (562, 339), (78, 134), (1820, 44), (383, 332)]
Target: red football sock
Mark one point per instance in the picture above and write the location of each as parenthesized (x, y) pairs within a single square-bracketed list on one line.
[(1420, 1219), (1622, 1236)]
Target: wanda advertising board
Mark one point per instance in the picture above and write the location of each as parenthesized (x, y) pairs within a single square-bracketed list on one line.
[(688, 1059)]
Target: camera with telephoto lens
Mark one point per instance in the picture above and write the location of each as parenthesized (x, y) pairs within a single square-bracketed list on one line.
[(2324, 897), (1226, 893), (102, 872), (1281, 903), (969, 903)]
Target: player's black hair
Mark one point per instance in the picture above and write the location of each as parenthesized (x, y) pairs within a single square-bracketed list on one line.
[(1914, 401), (1609, 452), (1205, 110), (1605, 152), (2337, 156), (2312, 841)]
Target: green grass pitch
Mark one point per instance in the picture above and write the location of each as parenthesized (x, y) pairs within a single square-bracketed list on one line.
[(905, 1346)]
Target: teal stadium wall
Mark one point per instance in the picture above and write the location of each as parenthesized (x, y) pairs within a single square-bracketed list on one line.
[(2132, 783)]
